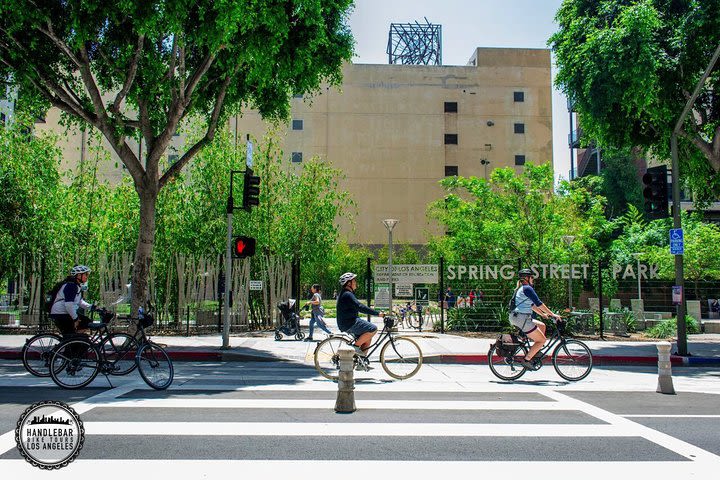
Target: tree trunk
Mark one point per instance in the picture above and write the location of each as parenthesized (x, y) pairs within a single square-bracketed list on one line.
[(146, 238)]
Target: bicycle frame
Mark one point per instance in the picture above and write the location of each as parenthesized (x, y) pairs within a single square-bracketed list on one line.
[(555, 339)]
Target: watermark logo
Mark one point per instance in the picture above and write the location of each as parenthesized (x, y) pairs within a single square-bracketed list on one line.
[(49, 434)]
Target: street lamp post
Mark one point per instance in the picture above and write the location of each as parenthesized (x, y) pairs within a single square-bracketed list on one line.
[(568, 239), (390, 224), (637, 256), (485, 163)]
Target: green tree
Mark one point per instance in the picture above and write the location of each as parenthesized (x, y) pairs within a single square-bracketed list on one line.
[(513, 216), (631, 65), (30, 193), (138, 69)]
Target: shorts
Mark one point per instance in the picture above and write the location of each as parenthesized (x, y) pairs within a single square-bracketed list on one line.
[(66, 324), (523, 321), (361, 326)]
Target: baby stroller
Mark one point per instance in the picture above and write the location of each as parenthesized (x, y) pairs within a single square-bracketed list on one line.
[(291, 321)]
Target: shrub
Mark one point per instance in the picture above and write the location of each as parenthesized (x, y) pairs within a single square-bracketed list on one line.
[(668, 328)]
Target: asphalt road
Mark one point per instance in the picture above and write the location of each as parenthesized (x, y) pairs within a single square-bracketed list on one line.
[(263, 417)]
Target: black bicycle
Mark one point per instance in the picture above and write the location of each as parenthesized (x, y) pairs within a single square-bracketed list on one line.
[(38, 349), (76, 362), (400, 357), (571, 358)]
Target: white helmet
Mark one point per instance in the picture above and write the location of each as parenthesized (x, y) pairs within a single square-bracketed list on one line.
[(346, 277), (78, 269)]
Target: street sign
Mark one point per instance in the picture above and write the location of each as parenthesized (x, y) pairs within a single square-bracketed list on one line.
[(256, 285), (677, 241), (422, 296), (676, 294), (249, 154), (404, 290), (382, 296), (406, 273)]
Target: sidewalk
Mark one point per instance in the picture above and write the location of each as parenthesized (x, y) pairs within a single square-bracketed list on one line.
[(436, 347)]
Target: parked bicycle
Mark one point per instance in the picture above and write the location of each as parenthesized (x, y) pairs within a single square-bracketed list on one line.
[(571, 358), (76, 362), (400, 356), (409, 315)]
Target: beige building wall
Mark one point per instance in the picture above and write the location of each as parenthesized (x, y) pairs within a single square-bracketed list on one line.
[(386, 128)]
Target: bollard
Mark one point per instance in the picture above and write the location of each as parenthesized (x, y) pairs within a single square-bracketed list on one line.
[(346, 383), (665, 383)]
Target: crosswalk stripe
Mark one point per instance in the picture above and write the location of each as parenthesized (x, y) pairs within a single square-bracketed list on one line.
[(329, 404), (357, 470), (352, 429)]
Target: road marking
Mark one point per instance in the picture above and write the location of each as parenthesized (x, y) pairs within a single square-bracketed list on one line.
[(635, 429), (352, 429), (669, 416), (351, 470), (281, 404), (7, 440)]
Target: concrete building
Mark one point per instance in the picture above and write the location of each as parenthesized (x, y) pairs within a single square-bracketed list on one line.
[(396, 130)]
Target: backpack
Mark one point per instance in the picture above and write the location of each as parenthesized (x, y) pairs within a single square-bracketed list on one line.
[(511, 303), (50, 296)]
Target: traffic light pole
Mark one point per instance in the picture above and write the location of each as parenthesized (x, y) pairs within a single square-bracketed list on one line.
[(228, 270), (679, 274)]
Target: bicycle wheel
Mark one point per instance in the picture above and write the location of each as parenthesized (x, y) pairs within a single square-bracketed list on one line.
[(74, 364), (155, 366), (401, 357), (413, 320), (572, 360), (327, 358), (120, 349), (37, 351), (507, 368)]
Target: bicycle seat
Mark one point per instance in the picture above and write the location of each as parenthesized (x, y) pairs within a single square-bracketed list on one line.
[(348, 337)]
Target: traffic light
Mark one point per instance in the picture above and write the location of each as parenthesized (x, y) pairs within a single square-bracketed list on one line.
[(243, 247), (656, 192), (251, 190)]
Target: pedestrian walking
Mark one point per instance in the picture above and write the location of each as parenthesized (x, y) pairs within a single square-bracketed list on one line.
[(471, 297), (317, 313), (449, 298)]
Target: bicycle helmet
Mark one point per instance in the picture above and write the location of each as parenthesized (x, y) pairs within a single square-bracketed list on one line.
[(79, 269), (346, 277), (526, 272)]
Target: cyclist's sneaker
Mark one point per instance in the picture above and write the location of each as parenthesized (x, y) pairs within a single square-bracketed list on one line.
[(359, 351), (527, 363)]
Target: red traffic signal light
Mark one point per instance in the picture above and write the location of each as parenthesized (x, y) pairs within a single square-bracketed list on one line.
[(243, 247)]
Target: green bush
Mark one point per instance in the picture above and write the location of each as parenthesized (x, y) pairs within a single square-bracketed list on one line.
[(668, 328)]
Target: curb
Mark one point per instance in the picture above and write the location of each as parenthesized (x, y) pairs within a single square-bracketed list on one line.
[(446, 359)]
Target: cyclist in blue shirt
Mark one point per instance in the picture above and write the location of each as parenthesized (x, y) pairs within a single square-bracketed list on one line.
[(527, 304), (348, 310)]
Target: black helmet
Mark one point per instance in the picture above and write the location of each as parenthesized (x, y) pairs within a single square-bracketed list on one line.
[(526, 272)]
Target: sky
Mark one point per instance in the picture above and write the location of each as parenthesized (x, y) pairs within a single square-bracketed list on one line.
[(467, 24)]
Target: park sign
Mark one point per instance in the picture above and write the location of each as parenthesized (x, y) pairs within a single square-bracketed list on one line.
[(546, 271), (406, 273)]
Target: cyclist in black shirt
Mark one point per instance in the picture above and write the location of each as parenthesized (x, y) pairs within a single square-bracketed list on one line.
[(348, 309)]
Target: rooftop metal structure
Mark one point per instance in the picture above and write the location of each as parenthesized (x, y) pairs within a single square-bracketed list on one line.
[(415, 43)]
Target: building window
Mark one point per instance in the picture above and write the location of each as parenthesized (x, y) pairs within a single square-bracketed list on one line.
[(519, 96), (519, 160), (451, 139), (519, 128), (172, 158), (451, 107), (297, 124), (451, 170), (296, 157)]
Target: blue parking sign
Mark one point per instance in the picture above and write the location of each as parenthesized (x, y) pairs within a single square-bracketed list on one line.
[(677, 241)]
